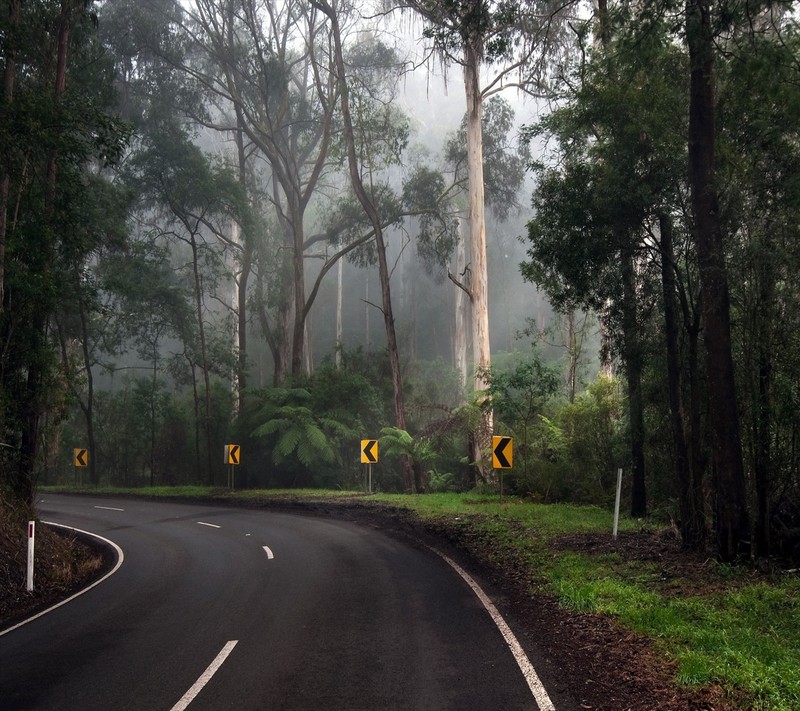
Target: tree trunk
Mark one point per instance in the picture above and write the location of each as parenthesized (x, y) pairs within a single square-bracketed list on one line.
[(198, 296), (197, 424), (462, 304), (153, 384), (762, 414), (479, 291), (731, 512), (24, 486), (5, 181), (298, 271), (88, 406), (339, 318), (244, 276), (368, 206), (633, 371), (692, 513), (573, 353)]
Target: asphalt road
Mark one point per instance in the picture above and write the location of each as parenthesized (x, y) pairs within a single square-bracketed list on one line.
[(224, 608)]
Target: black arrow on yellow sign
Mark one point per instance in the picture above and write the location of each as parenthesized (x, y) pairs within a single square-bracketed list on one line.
[(502, 459), (81, 457), (233, 454), (369, 451)]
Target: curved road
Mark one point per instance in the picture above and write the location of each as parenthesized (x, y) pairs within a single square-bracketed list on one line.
[(225, 608)]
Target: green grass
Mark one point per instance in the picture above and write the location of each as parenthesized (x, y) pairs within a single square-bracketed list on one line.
[(746, 638), (741, 635)]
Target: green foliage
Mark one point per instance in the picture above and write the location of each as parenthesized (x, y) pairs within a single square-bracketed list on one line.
[(311, 432), (295, 431), (60, 210), (440, 483), (519, 395), (620, 156), (395, 442), (593, 442)]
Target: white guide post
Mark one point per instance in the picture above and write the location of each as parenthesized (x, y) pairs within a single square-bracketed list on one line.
[(616, 504), (31, 539)]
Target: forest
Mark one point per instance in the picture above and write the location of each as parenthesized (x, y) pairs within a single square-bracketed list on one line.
[(296, 225)]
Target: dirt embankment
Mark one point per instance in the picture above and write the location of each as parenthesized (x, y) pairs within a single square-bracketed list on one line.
[(63, 563)]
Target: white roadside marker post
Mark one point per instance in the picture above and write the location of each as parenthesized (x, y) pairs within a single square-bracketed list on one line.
[(616, 505), (31, 539)]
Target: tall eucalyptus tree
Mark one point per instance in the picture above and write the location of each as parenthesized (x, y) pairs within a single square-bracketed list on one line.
[(517, 42)]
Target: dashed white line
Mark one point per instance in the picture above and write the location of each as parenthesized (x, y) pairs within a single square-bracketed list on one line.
[(534, 683), (205, 677), (269, 553), (210, 525), (109, 508)]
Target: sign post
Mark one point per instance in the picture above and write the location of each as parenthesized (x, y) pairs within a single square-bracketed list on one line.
[(369, 456), (31, 543), (232, 456), (502, 457)]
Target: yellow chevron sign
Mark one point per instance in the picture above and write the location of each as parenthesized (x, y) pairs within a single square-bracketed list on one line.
[(232, 453), (502, 452), (369, 451), (81, 457)]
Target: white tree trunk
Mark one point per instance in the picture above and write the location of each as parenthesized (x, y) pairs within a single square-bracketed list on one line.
[(462, 305), (339, 322), (482, 438), (366, 313), (308, 356), (477, 221), (235, 343)]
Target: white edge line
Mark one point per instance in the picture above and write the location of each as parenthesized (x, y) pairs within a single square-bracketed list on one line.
[(269, 553), (210, 525), (205, 677), (109, 508), (534, 683), (120, 559)]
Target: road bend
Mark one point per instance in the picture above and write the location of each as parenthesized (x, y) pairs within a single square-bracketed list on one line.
[(224, 608)]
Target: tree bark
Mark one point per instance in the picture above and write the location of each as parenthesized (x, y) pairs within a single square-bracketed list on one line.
[(762, 414), (204, 365), (692, 513), (5, 181), (732, 519), (462, 305), (633, 372), (88, 406), (32, 409), (479, 291), (339, 314), (244, 276)]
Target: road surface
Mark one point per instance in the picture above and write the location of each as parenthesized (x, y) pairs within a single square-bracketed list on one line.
[(224, 608)]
